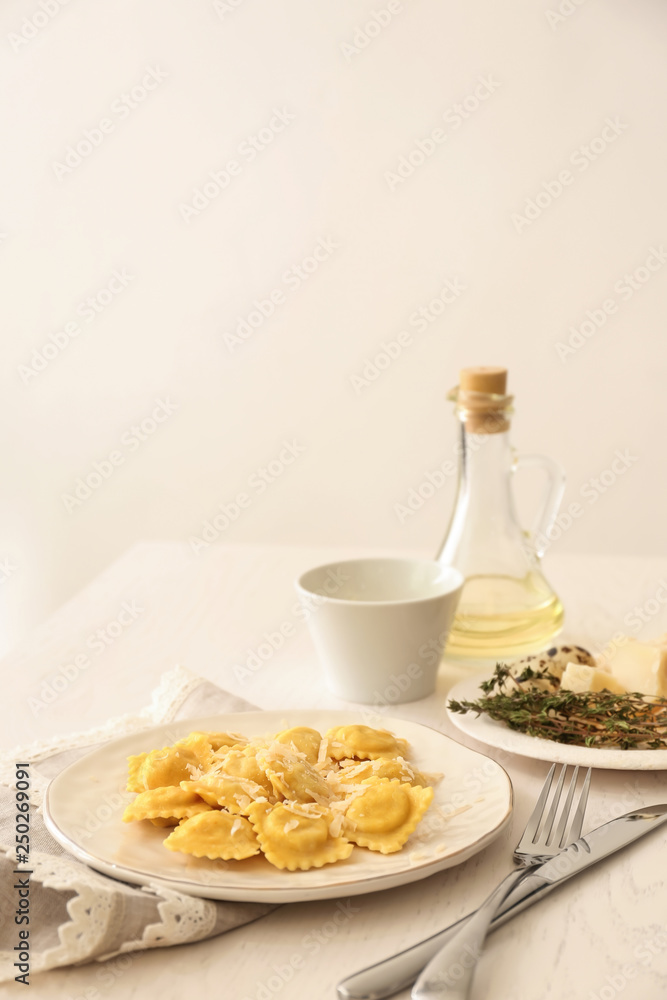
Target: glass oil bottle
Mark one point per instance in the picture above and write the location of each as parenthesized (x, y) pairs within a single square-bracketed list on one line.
[(507, 607)]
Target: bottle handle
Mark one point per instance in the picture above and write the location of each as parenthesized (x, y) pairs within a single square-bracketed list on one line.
[(555, 490)]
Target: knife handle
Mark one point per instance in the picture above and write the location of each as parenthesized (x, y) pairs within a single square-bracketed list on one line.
[(399, 972), (463, 950), (386, 978)]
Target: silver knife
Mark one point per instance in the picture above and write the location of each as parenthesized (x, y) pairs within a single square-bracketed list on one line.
[(400, 971)]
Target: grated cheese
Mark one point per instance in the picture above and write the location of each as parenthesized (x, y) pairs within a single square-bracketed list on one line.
[(323, 751)]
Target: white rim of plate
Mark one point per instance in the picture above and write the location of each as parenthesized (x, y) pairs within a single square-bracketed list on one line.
[(353, 886), (495, 734)]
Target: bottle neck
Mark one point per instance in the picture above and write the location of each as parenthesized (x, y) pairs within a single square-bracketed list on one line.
[(485, 462), (483, 522)]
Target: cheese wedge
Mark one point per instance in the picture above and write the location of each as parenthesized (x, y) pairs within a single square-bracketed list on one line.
[(641, 666), (580, 678)]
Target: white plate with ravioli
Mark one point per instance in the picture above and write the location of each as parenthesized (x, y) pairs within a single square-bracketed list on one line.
[(501, 737), (84, 806)]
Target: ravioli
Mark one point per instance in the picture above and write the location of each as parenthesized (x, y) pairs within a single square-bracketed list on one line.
[(243, 764), (296, 837), (214, 835), (300, 799), (164, 803), (169, 765), (293, 778), (219, 741), (134, 766), (234, 794), (354, 772), (385, 814), (364, 743), (303, 739)]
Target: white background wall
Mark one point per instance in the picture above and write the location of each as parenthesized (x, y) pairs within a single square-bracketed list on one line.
[(359, 103)]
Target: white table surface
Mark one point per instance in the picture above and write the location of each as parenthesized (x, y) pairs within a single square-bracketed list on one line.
[(603, 934)]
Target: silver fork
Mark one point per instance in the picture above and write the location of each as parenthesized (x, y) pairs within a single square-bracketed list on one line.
[(449, 974)]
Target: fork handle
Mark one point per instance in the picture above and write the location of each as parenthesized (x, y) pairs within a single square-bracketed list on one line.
[(449, 974)]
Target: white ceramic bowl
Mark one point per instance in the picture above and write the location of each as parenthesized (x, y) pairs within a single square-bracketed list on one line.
[(380, 625)]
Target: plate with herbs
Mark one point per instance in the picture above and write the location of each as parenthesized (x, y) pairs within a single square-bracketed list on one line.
[(523, 709)]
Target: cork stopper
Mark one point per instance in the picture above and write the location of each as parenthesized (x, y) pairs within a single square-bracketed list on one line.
[(492, 380), (482, 399)]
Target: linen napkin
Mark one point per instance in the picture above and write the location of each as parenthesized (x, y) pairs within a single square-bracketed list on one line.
[(78, 915)]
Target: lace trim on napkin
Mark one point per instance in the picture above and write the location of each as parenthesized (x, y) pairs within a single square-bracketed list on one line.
[(174, 688), (93, 912), (97, 906), (183, 918)]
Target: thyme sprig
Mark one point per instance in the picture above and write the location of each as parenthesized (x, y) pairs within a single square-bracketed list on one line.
[(592, 719)]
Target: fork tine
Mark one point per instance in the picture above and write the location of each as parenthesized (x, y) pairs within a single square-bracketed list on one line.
[(545, 835), (535, 817), (559, 837), (578, 819)]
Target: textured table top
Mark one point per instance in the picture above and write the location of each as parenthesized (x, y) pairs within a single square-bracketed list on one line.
[(599, 936)]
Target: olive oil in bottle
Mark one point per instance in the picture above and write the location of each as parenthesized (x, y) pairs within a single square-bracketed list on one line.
[(507, 607)]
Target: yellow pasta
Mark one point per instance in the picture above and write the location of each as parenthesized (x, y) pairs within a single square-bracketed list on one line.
[(214, 835), (134, 766), (243, 764), (219, 741), (364, 743), (300, 799), (383, 817), (303, 740), (354, 771), (169, 765), (294, 779), (164, 803), (234, 794), (294, 837)]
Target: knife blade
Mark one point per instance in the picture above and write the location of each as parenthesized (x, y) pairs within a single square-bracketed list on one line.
[(399, 972), (596, 845)]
